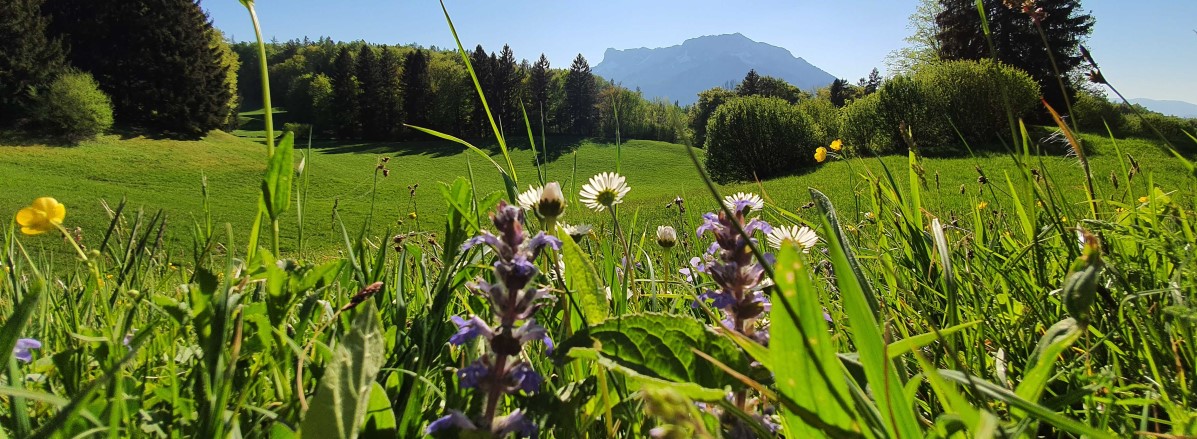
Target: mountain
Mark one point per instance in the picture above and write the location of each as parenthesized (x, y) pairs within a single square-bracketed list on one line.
[(678, 73), (1174, 108)]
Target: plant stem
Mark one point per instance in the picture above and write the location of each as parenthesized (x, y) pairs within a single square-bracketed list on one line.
[(268, 116)]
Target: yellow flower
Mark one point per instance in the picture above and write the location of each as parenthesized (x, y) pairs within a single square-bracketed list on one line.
[(411, 215), (982, 205), (821, 154), (837, 145), (42, 216), (1142, 199)]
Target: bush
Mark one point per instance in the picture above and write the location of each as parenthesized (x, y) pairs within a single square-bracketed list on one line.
[(942, 102), (1091, 113), (1173, 128), (863, 128), (758, 137), (825, 116), (75, 108), (301, 130)]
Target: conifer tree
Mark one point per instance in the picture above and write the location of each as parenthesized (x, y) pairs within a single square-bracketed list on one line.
[(539, 87), (369, 99), (390, 94), (580, 93), (481, 63), (839, 92), (153, 57), (417, 88), (507, 81), (345, 94), (28, 58), (751, 85)]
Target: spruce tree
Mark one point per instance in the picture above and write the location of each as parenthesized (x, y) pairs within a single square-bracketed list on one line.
[(153, 57), (369, 99), (751, 85), (344, 97), (580, 95), (539, 87), (417, 88), (481, 64), (29, 60), (390, 94), (839, 92), (507, 80), (1017, 41)]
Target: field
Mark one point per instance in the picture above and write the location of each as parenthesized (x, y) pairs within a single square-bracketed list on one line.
[(169, 175)]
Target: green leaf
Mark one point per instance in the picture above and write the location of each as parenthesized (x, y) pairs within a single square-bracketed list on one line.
[(690, 390), (908, 344), (342, 398), (276, 186), (861, 309), (380, 419), (1035, 410), (1058, 338), (806, 367), (663, 346), (583, 281)]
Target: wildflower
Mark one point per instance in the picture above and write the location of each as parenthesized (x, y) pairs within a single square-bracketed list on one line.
[(666, 236), (982, 205), (551, 203), (803, 237), (837, 145), (1143, 199), (821, 154), (44, 215), (604, 190), (528, 199), (742, 200), (21, 350), (577, 232)]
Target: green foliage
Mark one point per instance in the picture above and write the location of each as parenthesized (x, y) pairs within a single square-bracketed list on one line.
[(29, 59), (580, 97), (701, 111), (74, 108), (231, 63), (758, 137), (1094, 113), (943, 104), (345, 391), (863, 126), (826, 118)]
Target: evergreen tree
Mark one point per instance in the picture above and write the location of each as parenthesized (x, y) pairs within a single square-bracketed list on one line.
[(481, 63), (507, 81), (345, 94), (153, 57), (751, 85), (369, 100), (839, 92), (28, 58), (580, 94), (390, 94), (873, 83), (539, 87), (417, 88), (1017, 41)]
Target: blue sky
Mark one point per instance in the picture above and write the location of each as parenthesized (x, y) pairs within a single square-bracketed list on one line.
[(1147, 48)]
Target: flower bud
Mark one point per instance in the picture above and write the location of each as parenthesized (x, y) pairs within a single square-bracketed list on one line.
[(552, 201), (666, 236)]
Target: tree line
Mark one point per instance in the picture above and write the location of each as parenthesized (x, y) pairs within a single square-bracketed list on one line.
[(73, 68), (358, 90)]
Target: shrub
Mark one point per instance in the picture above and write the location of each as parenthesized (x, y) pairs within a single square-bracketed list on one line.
[(863, 128), (301, 130), (1091, 113), (826, 117), (75, 108), (701, 111), (758, 137), (943, 102), (1173, 128)]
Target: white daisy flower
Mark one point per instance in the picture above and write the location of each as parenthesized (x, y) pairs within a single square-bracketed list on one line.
[(803, 237), (741, 200), (604, 190), (530, 198), (577, 232)]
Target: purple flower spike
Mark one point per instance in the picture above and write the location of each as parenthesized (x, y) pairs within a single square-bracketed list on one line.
[(22, 349), (710, 223), (483, 237), (541, 241), (532, 331), (525, 378), (472, 375), (514, 422), (453, 419), (469, 329)]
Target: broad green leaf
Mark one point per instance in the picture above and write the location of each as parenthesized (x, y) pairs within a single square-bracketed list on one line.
[(380, 419), (897, 348), (583, 281), (343, 394), (276, 187), (663, 346), (1058, 338), (883, 380), (803, 356), (690, 390)]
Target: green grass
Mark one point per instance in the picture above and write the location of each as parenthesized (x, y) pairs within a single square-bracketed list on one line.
[(167, 175)]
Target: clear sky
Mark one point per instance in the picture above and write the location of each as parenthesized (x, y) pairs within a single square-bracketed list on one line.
[(1147, 48)]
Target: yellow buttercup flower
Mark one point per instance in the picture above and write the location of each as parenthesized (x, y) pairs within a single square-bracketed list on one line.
[(837, 145), (821, 154), (1142, 199), (44, 215), (982, 205)]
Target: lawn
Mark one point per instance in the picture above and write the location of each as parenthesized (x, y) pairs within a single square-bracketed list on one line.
[(168, 175)]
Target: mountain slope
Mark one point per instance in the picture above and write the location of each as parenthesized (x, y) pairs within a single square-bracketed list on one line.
[(678, 73), (1169, 107)]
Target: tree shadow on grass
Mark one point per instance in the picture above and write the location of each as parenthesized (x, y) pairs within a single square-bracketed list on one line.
[(18, 138)]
